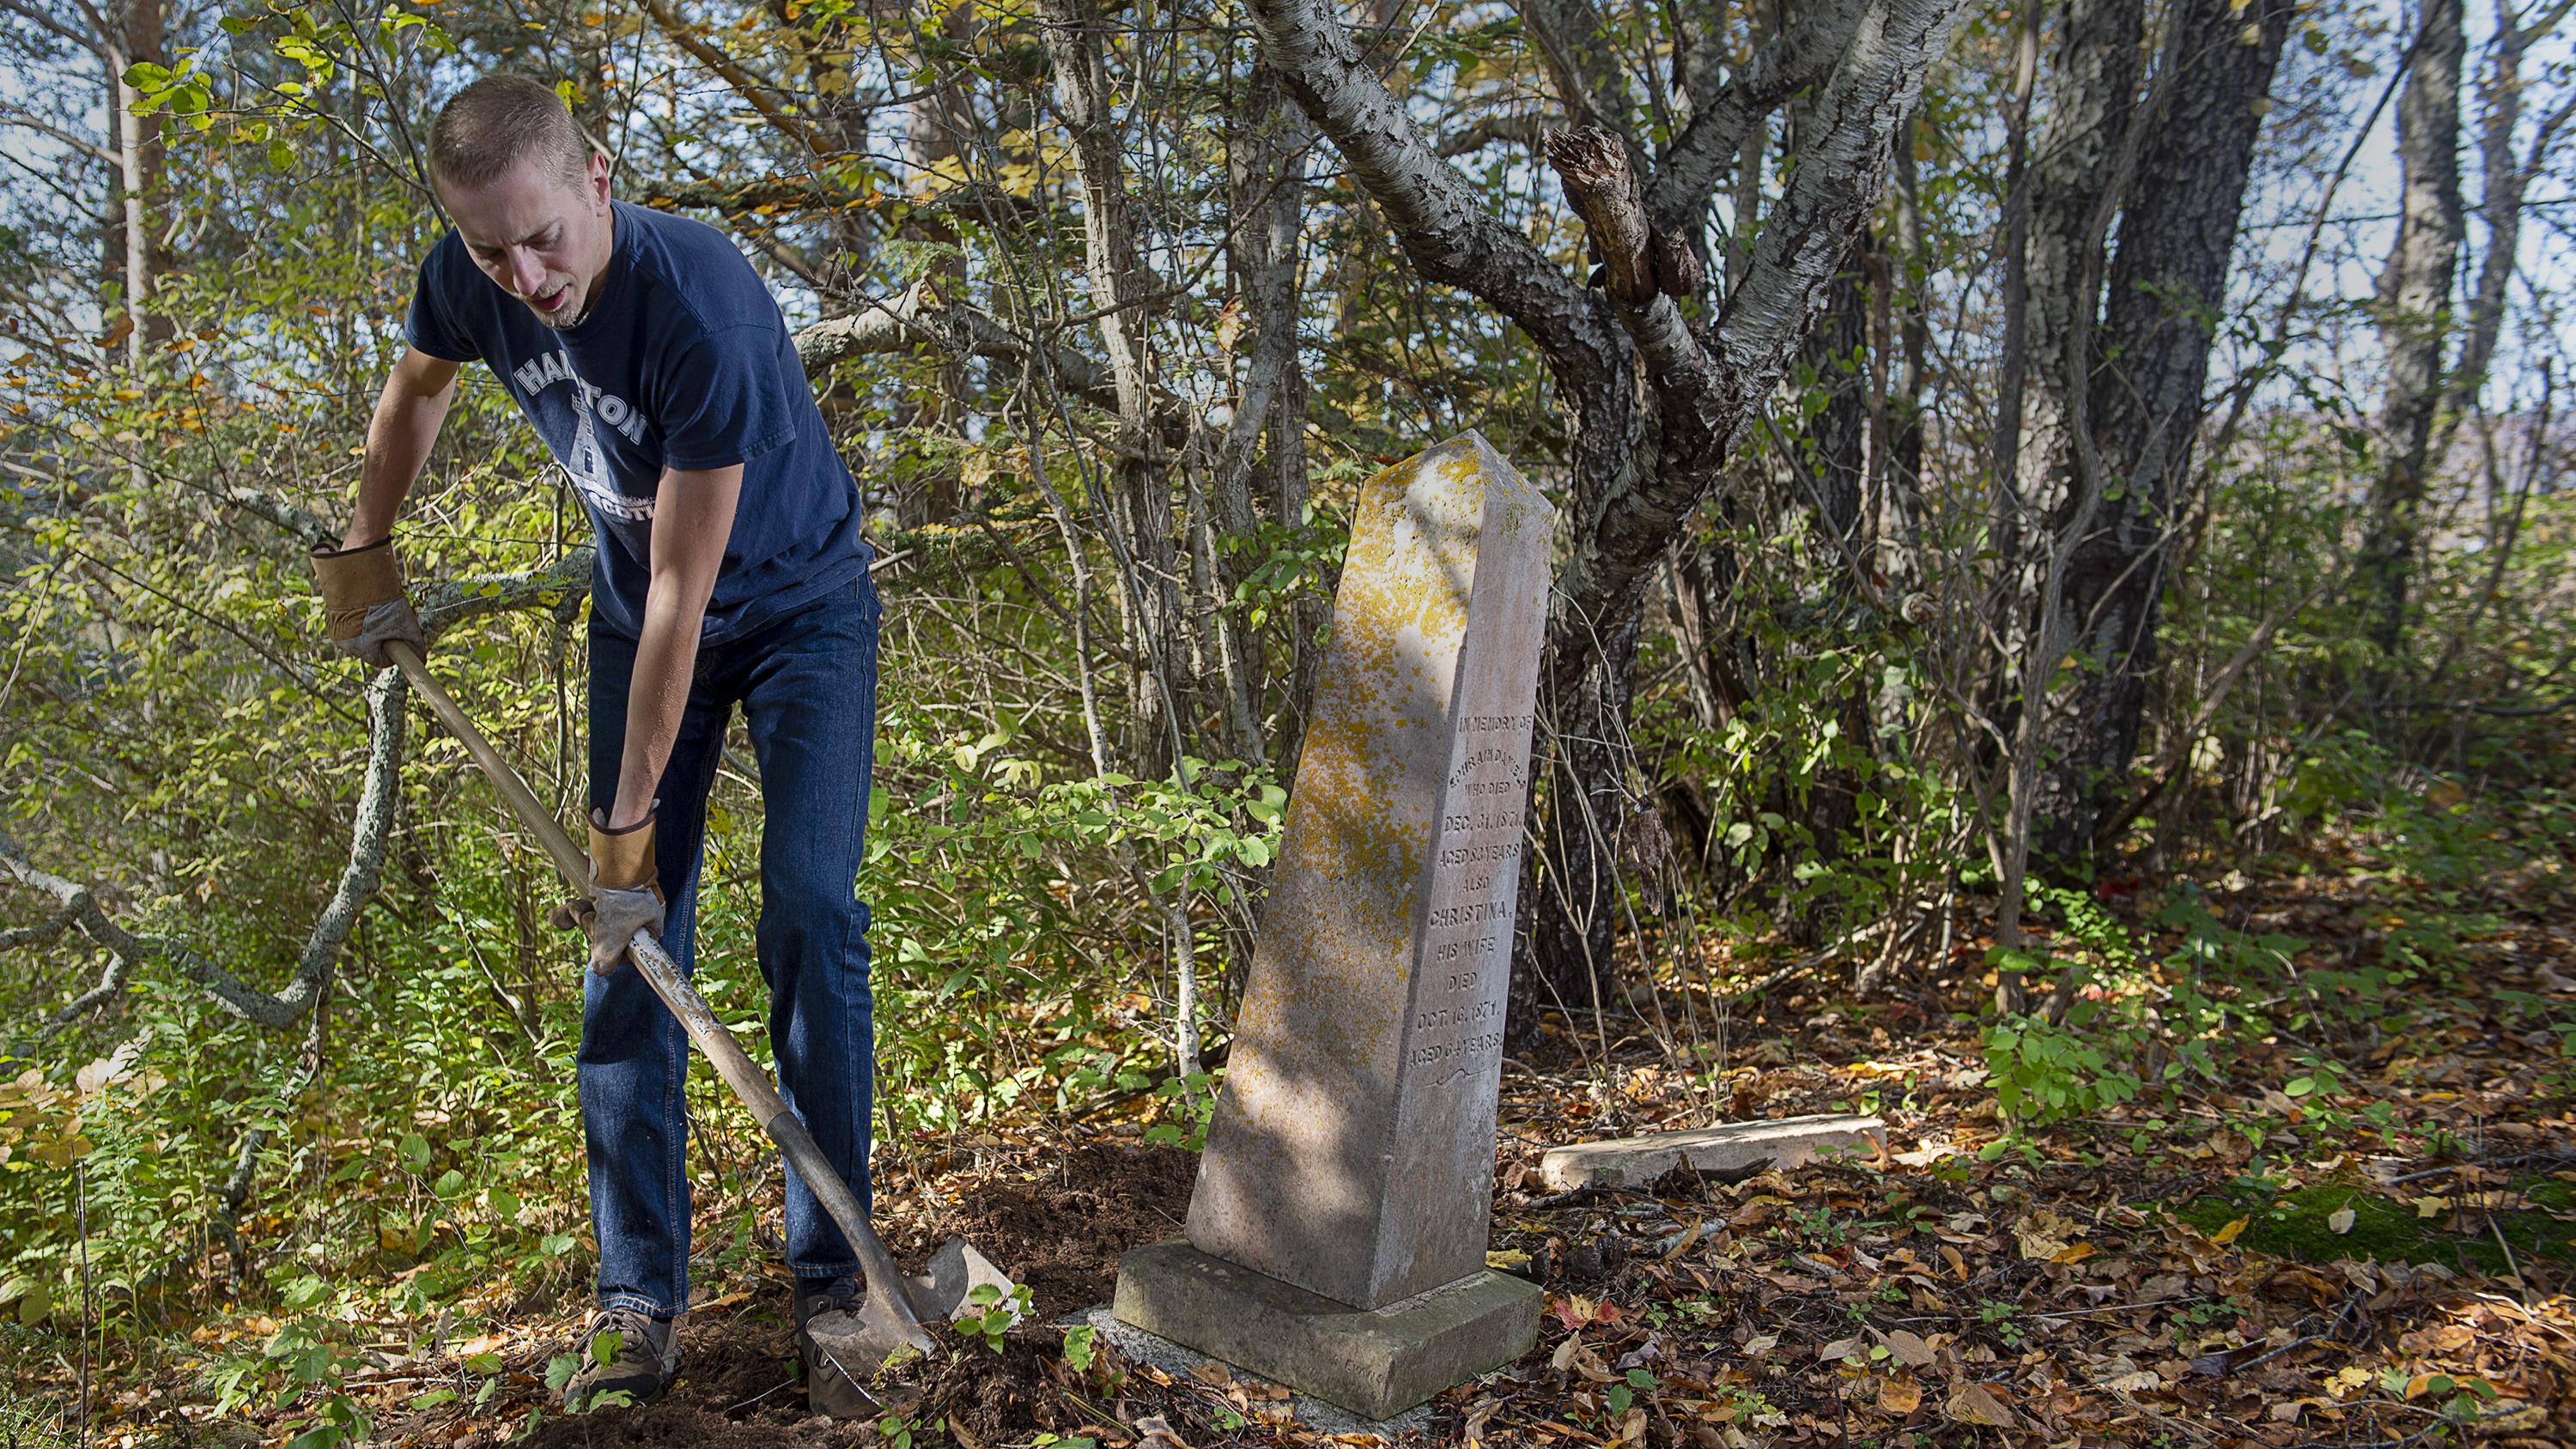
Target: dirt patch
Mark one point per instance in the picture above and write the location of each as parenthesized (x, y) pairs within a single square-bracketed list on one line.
[(1062, 1234), (681, 1424), (738, 1389), (738, 1386), (1003, 1398)]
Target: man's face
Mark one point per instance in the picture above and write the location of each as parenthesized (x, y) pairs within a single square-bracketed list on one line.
[(540, 236)]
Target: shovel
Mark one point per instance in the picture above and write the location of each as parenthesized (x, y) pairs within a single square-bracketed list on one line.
[(892, 1315)]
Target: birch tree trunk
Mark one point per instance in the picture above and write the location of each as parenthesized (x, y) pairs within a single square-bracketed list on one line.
[(1832, 455), (2507, 167), (2414, 321), (1262, 465), (135, 34), (2012, 365), (1900, 468), (2093, 90), (2053, 301)]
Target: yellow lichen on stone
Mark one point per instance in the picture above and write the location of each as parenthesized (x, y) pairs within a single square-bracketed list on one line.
[(1298, 1180)]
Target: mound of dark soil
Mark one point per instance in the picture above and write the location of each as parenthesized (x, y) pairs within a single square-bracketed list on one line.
[(681, 1424), (1062, 1234), (1000, 1398), (737, 1387)]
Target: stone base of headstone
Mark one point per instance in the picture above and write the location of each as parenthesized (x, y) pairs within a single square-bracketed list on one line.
[(1729, 1147), (1377, 1362), (1310, 1414)]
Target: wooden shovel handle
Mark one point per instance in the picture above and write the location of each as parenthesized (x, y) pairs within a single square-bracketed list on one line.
[(570, 859), (748, 1084)]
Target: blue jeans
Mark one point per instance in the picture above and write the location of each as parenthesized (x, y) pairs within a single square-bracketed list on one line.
[(807, 684)]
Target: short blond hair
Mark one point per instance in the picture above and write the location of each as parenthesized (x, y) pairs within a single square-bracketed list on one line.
[(498, 121)]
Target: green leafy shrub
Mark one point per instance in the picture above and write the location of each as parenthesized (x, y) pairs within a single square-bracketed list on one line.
[(2043, 1072)]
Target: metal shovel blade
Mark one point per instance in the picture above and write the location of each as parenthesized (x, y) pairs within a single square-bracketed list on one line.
[(946, 1286), (858, 1344), (849, 1349)]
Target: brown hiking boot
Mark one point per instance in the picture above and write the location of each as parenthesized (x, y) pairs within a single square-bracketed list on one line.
[(830, 1386), (646, 1358)]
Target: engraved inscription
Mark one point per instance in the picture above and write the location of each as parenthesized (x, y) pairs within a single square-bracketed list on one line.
[(1457, 1026), (1352, 1152)]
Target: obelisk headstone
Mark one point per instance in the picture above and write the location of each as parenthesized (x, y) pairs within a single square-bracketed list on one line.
[(1337, 1234)]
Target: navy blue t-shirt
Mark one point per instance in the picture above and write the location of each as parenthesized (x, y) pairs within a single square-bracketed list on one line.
[(685, 361)]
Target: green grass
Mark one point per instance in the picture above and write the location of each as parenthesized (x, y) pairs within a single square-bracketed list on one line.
[(31, 1424), (2298, 1224)]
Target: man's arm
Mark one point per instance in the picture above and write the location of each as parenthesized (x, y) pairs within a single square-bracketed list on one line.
[(692, 521), (408, 414), (363, 603)]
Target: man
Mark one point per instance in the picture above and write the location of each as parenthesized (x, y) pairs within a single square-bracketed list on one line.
[(660, 373)]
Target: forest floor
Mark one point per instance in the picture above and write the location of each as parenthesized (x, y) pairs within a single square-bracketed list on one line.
[(2376, 1257)]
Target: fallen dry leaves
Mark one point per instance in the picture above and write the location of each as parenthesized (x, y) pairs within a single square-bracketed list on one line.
[(1943, 1294)]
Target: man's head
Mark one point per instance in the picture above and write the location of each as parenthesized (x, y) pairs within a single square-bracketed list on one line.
[(528, 192)]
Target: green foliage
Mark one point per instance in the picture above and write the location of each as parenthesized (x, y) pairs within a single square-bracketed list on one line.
[(2188, 1322), (2048, 1073), (1038, 863), (302, 1367), (978, 862), (2417, 829), (2002, 1319), (600, 1352), (1191, 1101), (994, 1313), (2553, 1021), (1797, 795), (2145, 1018), (1283, 563), (32, 1424)]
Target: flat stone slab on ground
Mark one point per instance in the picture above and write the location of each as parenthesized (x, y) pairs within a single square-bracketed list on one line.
[(1726, 1147), (1312, 1413), (1375, 1362)]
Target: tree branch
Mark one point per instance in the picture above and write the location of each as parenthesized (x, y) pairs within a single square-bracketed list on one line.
[(1437, 215), (1705, 394), (1476, 135), (13, 116), (559, 587), (760, 94), (1572, 38), (974, 202), (73, 906), (1688, 172), (918, 318), (444, 603), (733, 198), (377, 798), (291, 519), (42, 17), (1637, 260)]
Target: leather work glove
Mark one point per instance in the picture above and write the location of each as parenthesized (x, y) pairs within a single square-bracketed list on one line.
[(625, 895), (363, 605)]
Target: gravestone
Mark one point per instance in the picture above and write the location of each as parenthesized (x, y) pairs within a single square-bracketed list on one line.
[(1337, 1232)]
